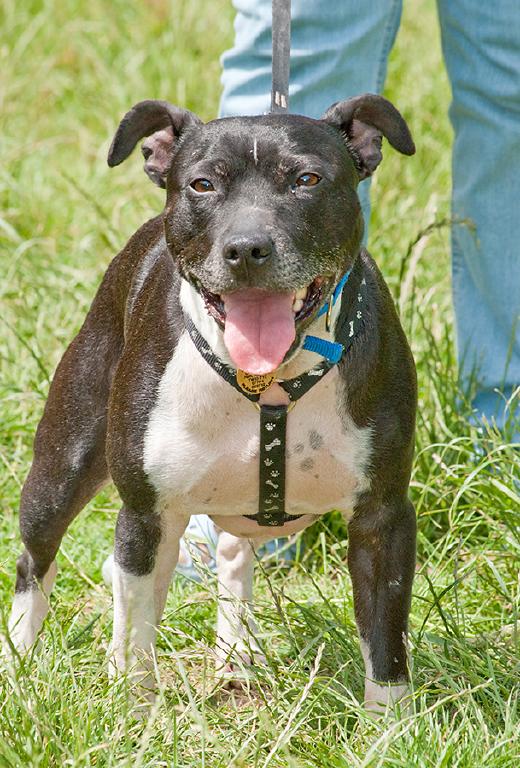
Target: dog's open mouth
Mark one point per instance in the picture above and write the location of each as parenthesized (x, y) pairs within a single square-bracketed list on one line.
[(306, 300), (260, 326)]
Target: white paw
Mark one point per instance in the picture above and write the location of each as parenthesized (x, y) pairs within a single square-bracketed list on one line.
[(27, 615), (381, 700), (232, 675), (139, 673), (29, 610), (235, 660)]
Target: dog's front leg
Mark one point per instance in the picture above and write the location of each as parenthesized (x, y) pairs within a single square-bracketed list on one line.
[(381, 561), (145, 555), (236, 629)]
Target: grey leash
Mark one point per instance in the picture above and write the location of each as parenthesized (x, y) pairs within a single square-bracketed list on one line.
[(281, 26)]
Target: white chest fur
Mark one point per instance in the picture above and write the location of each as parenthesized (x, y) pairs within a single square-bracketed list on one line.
[(202, 442)]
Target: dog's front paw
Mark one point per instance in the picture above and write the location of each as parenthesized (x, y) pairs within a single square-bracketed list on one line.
[(388, 699), (233, 676), (137, 675), (235, 661)]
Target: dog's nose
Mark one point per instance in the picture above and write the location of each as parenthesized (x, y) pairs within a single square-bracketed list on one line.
[(251, 249)]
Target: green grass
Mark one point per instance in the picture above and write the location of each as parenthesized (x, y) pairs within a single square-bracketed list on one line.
[(69, 70)]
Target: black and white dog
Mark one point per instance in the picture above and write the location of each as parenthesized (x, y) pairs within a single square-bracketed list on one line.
[(262, 222)]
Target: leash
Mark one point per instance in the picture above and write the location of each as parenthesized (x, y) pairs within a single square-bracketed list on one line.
[(273, 418), (281, 26)]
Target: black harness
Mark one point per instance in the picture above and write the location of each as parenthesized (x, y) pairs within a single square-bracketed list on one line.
[(273, 418)]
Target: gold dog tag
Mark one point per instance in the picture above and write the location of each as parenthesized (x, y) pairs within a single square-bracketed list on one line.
[(252, 383)]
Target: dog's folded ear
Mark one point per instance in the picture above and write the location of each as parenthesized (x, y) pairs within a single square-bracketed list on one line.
[(364, 120), (163, 123)]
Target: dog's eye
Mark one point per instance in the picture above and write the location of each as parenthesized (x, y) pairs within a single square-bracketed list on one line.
[(308, 180), (202, 185)]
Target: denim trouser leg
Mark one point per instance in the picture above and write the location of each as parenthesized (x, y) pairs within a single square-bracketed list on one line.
[(481, 43), (338, 49)]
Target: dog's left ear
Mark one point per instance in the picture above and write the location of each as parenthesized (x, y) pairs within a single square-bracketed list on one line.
[(164, 124), (364, 120)]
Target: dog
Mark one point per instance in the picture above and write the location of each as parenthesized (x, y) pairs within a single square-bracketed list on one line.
[(261, 223)]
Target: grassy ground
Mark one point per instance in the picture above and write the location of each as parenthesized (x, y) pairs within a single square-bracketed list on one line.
[(69, 70)]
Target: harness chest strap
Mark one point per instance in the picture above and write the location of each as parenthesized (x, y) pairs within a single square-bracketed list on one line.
[(273, 418), (271, 492)]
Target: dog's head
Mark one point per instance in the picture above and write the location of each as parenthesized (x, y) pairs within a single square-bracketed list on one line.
[(262, 214)]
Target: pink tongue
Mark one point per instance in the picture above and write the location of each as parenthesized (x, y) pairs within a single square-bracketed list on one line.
[(259, 329)]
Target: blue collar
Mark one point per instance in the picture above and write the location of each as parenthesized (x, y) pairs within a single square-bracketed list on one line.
[(331, 350)]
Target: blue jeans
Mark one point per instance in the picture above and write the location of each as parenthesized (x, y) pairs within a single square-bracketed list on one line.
[(340, 48)]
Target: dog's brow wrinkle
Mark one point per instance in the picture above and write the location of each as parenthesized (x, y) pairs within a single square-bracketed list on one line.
[(282, 169), (221, 169)]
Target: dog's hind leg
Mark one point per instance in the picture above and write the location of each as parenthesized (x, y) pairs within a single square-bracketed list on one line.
[(69, 464)]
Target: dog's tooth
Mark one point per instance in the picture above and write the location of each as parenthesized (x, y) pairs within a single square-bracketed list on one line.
[(297, 305), (301, 293)]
